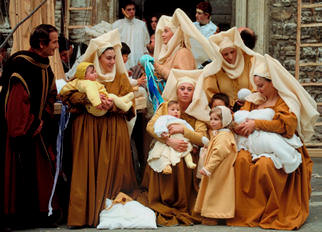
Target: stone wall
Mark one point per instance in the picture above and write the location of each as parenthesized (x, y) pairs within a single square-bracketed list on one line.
[(283, 38), (282, 45), (222, 13)]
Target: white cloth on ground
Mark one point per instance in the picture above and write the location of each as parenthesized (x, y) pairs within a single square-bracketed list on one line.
[(281, 150), (130, 215)]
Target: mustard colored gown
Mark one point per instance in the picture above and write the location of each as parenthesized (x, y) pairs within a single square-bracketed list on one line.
[(267, 197), (173, 196), (102, 160)]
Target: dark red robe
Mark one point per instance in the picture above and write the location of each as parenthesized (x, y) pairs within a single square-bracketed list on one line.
[(27, 140)]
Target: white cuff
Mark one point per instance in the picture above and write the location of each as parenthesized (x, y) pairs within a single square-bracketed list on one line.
[(133, 82), (205, 140), (206, 171)]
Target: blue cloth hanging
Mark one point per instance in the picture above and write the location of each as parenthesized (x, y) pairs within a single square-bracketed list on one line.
[(155, 86), (63, 122)]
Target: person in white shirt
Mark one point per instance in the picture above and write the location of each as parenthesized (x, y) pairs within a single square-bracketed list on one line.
[(206, 27), (133, 32)]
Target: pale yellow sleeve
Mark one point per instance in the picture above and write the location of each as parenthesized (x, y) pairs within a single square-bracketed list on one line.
[(195, 136), (218, 150)]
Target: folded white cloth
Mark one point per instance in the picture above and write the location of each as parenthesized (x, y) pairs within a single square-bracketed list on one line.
[(130, 215)]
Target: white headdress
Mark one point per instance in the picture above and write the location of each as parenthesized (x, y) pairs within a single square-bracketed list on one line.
[(198, 108), (95, 49), (292, 92), (183, 29), (226, 115)]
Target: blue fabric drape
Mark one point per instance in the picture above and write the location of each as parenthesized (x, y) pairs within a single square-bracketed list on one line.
[(63, 122), (155, 86)]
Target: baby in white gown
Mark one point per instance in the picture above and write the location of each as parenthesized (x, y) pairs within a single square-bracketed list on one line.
[(260, 143), (162, 156)]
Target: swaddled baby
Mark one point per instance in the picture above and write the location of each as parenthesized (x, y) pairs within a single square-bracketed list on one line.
[(281, 150)]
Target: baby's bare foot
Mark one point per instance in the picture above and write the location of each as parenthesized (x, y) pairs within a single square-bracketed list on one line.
[(167, 170)]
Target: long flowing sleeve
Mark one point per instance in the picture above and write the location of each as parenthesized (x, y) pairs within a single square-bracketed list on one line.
[(75, 101), (195, 137)]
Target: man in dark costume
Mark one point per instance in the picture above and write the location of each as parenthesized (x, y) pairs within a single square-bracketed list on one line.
[(28, 134)]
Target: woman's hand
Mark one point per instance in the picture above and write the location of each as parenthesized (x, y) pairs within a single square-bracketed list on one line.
[(177, 144), (246, 128), (176, 129)]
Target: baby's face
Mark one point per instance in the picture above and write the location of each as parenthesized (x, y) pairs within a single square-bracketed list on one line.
[(174, 110), (215, 122), (91, 74)]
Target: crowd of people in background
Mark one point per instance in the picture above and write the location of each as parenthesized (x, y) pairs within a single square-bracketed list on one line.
[(145, 95)]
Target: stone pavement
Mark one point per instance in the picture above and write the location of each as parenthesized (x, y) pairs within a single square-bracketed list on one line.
[(313, 223)]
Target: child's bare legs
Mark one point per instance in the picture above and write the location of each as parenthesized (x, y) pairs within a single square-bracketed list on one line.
[(189, 162), (187, 159), (167, 170)]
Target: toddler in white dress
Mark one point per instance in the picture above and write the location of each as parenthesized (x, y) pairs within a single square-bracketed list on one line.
[(162, 156)]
